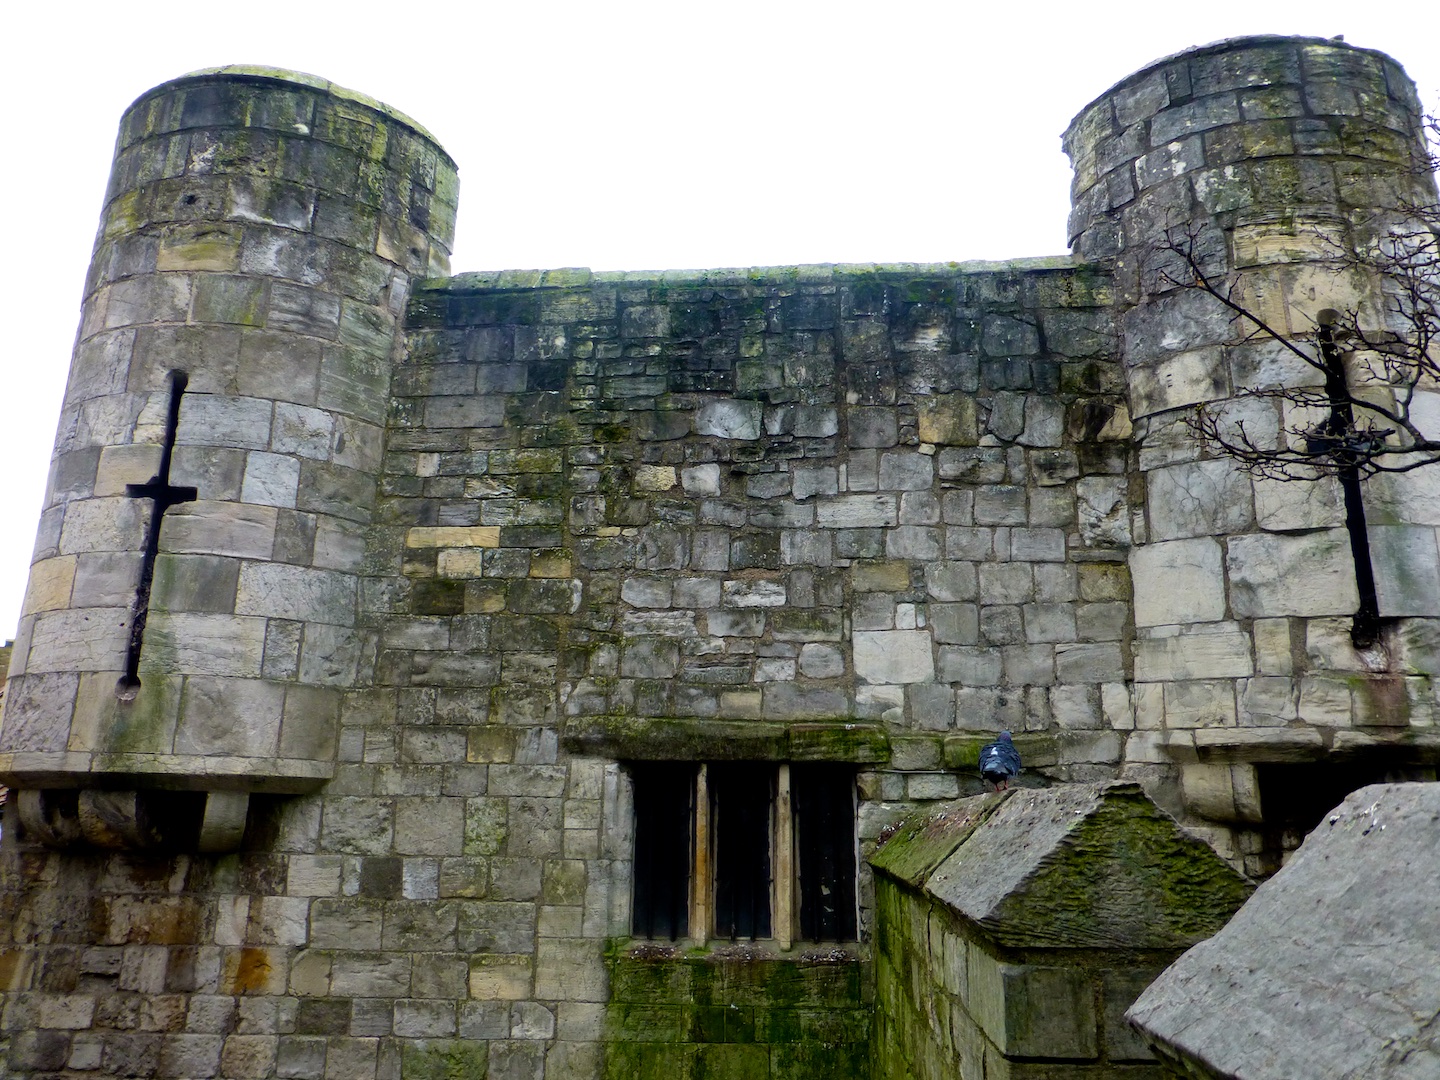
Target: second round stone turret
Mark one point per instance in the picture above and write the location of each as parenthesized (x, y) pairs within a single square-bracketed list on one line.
[(191, 616)]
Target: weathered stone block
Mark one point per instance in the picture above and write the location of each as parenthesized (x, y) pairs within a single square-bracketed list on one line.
[(229, 717), (219, 528), (1272, 575), (296, 592), (1407, 569), (739, 420), (1193, 656), (1198, 498), (897, 656), (1178, 582)]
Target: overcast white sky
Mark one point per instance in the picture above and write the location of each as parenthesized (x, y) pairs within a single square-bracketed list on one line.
[(619, 135)]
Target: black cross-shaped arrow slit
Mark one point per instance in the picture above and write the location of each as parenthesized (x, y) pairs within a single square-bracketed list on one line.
[(162, 495)]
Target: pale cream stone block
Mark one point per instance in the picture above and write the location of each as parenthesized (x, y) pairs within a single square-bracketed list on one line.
[(502, 978), (1247, 793), (135, 463), (1282, 505), (103, 525), (1147, 747), (1325, 701), (1410, 498), (740, 704), (1328, 646), (1178, 582), (1407, 569), (1221, 792), (655, 478), (1201, 703), (571, 968), (1193, 656), (1309, 574), (87, 639), (66, 1011), (219, 528), (1273, 654), (1198, 498), (453, 536), (893, 656), (279, 920), (1294, 240), (1269, 701), (1116, 706), (459, 562), (1149, 705), (94, 705), (232, 914), (229, 717), (199, 246), (201, 644), (1184, 378), (50, 583)]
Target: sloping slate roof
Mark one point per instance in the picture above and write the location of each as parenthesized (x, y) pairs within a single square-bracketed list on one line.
[(1332, 969), (1073, 866)]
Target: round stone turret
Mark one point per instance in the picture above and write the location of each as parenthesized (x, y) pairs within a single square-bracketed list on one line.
[(191, 615), (1273, 129), (1264, 164)]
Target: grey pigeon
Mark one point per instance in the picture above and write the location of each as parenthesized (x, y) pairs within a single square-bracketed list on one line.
[(999, 761)]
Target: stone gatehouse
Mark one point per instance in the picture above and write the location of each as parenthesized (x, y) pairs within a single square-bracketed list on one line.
[(408, 658)]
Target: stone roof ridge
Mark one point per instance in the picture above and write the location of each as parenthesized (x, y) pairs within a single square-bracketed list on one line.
[(1074, 866), (1332, 968), (1016, 841)]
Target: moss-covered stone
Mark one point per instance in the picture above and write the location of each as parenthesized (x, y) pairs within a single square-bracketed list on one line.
[(641, 739), (736, 1015), (444, 1059)]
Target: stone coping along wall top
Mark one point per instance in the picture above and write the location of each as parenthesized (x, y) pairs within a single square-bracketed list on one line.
[(1332, 968), (263, 72), (1087, 866)]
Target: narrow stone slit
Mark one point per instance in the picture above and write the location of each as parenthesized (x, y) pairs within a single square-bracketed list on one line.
[(163, 495), (1365, 628)]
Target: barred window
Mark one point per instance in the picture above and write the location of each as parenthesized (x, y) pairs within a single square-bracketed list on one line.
[(739, 851)]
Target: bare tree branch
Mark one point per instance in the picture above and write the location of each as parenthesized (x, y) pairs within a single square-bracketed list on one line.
[(1376, 365)]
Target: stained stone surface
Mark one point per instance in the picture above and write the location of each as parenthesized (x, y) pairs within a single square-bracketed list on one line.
[(467, 549), (1332, 968)]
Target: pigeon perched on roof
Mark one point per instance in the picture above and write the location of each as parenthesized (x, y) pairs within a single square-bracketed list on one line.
[(999, 761)]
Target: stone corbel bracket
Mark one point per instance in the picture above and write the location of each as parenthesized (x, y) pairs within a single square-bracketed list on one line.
[(134, 820)]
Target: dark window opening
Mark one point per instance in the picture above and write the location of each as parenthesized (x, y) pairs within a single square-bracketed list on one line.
[(824, 801), (664, 797), (740, 851), (741, 797), (1295, 798)]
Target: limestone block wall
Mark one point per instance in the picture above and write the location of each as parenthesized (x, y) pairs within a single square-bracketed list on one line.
[(1265, 157), (467, 554), (259, 236), (754, 504)]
